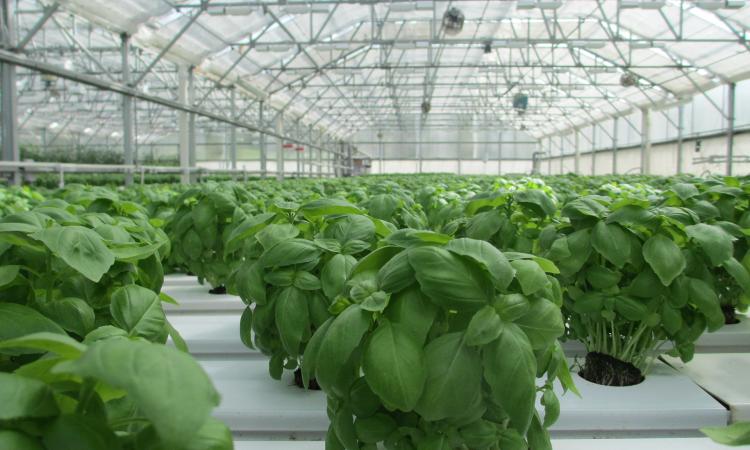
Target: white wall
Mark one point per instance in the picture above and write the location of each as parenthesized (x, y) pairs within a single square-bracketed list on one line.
[(467, 167)]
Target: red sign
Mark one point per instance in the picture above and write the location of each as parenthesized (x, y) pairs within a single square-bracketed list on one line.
[(300, 149), (288, 145)]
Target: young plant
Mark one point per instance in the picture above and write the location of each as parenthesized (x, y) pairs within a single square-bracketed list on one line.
[(105, 393), (636, 277), (444, 344), (295, 264), (204, 218)]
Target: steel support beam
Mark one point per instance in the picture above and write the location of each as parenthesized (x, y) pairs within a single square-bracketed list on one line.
[(48, 12), (593, 149), (280, 149), (233, 130), (732, 87), (615, 143), (127, 109), (320, 159), (182, 124), (191, 121), (262, 139), (562, 153), (680, 136), (645, 141), (577, 161), (9, 93)]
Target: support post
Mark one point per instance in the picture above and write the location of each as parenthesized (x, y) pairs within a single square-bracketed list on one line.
[(730, 128), (615, 144), (500, 154), (320, 158), (419, 145), (182, 121), (562, 146), (680, 137), (593, 149), (262, 141), (9, 108), (233, 130), (577, 161), (549, 155), (645, 141), (191, 123), (350, 158), (127, 109), (280, 149)]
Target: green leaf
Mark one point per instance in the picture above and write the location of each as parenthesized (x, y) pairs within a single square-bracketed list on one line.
[(612, 242), (16, 440), (484, 225), (602, 278), (397, 274), (25, 398), (413, 311), (394, 366), (530, 275), (714, 241), (453, 381), (73, 314), (18, 320), (213, 435), (81, 248), (543, 323), (448, 280), (485, 326), (276, 233), (510, 371), (290, 252), (250, 284), (292, 319), (205, 222), (8, 274), (703, 296), (630, 308), (334, 274), (738, 272), (47, 342), (537, 200), (138, 311), (374, 429), (310, 357), (735, 434), (551, 407), (665, 257), (510, 307), (579, 246), (327, 207), (490, 258), (343, 336), (168, 386), (70, 431), (538, 436), (306, 281)]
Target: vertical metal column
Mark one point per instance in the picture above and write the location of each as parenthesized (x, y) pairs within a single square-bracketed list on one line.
[(310, 154), (645, 141), (549, 155), (615, 144), (500, 154), (419, 145), (182, 120), (320, 157), (680, 137), (562, 146), (262, 141), (577, 160), (280, 149), (127, 108), (233, 130), (730, 128), (9, 94), (350, 158), (191, 122), (593, 149)]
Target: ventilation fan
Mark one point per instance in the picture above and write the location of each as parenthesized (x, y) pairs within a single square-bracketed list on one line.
[(520, 103), (453, 21), (628, 80)]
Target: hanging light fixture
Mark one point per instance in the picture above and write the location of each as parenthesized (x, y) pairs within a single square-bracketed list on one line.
[(453, 21)]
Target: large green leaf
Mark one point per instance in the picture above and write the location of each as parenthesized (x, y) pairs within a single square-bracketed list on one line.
[(44, 341), (397, 274), (411, 309), (714, 241), (25, 398), (394, 366), (665, 257), (18, 320), (500, 270), (292, 318), (484, 225), (205, 222), (448, 280), (484, 327), (510, 371), (73, 314), (138, 311), (327, 207), (334, 274), (167, 385), (81, 248), (704, 297), (342, 337), (454, 373), (249, 282), (8, 274), (543, 323), (290, 252), (612, 242), (530, 275), (73, 431), (536, 200), (16, 440)]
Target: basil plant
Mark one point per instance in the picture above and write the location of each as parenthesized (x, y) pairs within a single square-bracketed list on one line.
[(445, 343), (636, 278), (204, 218), (295, 264)]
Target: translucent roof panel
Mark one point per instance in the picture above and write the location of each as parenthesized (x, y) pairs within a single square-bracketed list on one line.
[(347, 65)]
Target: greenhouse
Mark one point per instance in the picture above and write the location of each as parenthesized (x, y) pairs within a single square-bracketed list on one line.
[(364, 224)]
